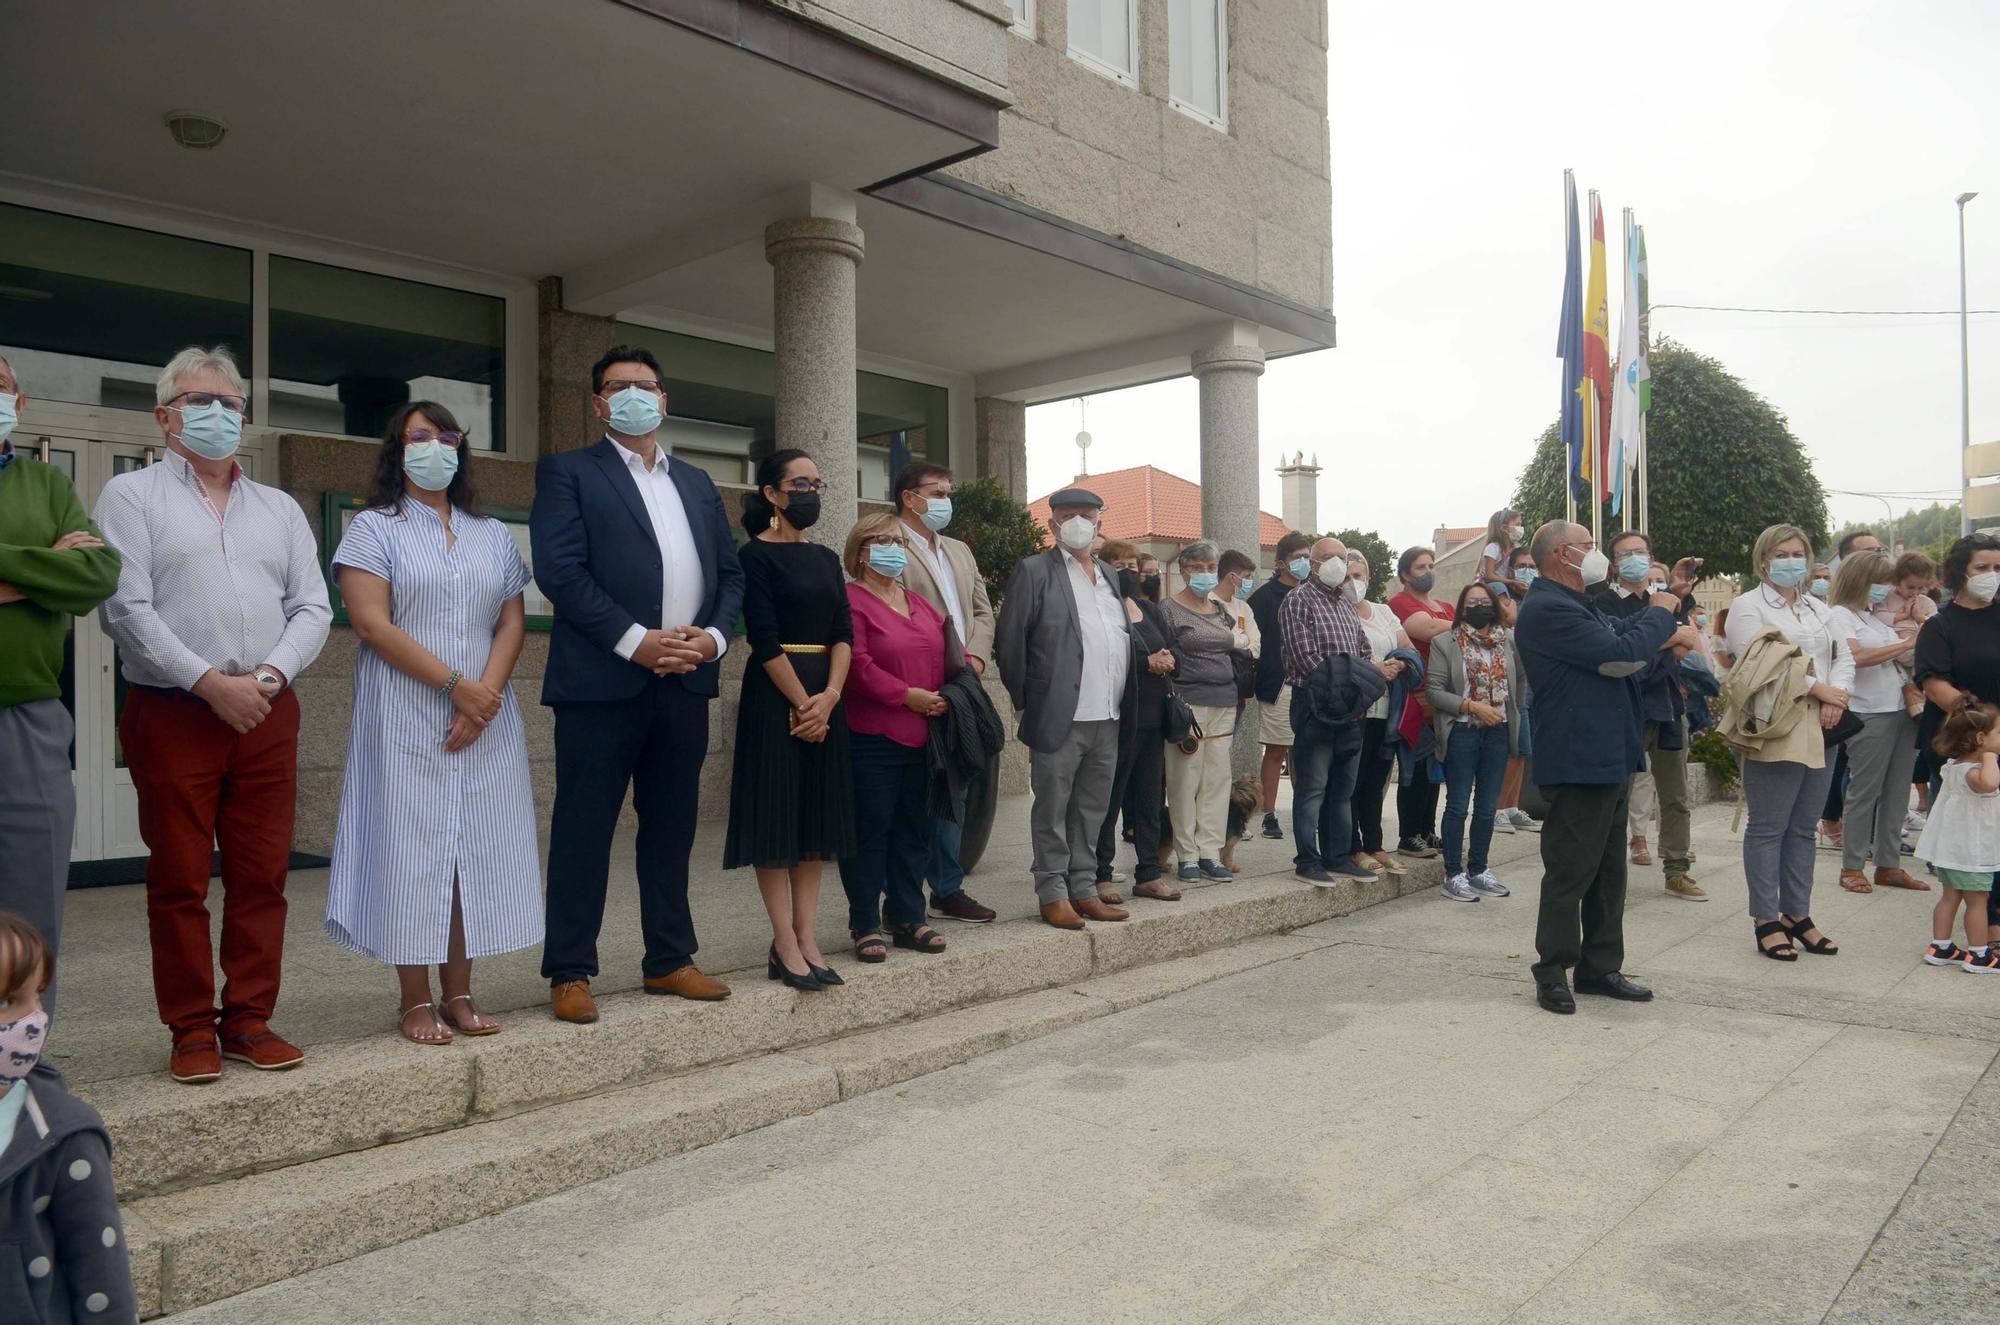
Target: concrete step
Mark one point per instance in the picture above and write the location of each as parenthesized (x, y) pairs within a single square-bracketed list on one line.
[(365, 1093), (213, 1241)]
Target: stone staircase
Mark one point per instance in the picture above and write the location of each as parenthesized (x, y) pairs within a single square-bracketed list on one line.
[(261, 1177)]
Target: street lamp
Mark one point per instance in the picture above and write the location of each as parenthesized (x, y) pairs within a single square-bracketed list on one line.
[(1964, 381)]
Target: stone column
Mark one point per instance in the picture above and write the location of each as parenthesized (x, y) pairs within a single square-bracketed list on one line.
[(814, 260), (1229, 467), (1229, 472), (1002, 452), (570, 343)]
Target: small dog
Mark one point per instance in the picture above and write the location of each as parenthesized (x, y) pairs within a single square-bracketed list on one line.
[(1246, 797)]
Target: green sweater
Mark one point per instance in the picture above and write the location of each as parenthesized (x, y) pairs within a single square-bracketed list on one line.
[(38, 506)]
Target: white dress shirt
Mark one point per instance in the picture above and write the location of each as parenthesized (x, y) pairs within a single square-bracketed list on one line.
[(680, 575), (203, 588), (1107, 653), (932, 549), (1806, 622)]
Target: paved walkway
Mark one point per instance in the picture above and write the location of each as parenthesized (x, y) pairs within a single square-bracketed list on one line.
[(1384, 1130)]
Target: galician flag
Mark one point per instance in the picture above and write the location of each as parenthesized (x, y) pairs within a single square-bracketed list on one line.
[(1597, 361), (1628, 399)]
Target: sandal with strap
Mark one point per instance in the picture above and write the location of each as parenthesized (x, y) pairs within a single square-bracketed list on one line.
[(918, 938), (440, 1033), (1819, 947), (480, 1023), (871, 948), (1777, 952), (1855, 882), (1158, 890)]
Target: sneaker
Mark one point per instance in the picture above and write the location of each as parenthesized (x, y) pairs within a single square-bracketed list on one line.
[(1502, 823), (962, 906), (1685, 888), (1353, 869), (1189, 874), (1271, 828), (1946, 953), (1459, 889), (1487, 884), (1523, 820), (1434, 842), (1416, 847), (1210, 869), (1315, 874), (1983, 963), (1914, 821)]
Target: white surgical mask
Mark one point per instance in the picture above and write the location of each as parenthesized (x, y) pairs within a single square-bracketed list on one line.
[(1983, 585), (1594, 567), (1655, 586), (1076, 532), (1332, 572), (1357, 590)]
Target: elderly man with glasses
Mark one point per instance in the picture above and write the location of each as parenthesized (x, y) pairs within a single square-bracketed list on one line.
[(53, 566), (219, 607)]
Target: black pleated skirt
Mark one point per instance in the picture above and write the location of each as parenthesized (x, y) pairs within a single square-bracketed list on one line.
[(789, 800)]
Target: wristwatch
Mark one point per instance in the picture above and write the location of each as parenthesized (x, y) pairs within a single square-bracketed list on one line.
[(265, 676)]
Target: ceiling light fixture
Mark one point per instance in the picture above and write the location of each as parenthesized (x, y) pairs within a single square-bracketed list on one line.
[(195, 131)]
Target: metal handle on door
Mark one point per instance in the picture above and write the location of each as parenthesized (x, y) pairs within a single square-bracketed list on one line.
[(44, 456)]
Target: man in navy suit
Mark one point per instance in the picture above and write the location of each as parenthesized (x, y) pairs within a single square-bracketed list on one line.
[(634, 551)]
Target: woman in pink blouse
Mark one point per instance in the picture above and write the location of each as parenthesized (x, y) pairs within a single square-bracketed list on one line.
[(892, 694)]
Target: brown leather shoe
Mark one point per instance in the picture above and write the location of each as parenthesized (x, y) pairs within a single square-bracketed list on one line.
[(1894, 877), (686, 982), (195, 1059), (1096, 908), (258, 1045), (1062, 915), (570, 1000)]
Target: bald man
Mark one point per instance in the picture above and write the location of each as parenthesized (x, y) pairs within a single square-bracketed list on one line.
[(1588, 743)]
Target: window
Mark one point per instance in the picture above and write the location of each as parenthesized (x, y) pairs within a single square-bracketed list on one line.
[(1024, 17), (90, 312), (722, 410), (349, 348), (1105, 33), (1198, 56)]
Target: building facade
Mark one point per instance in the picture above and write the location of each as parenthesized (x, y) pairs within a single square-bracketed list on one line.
[(873, 229)]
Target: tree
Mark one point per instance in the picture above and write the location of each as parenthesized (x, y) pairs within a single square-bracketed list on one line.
[(1381, 561), (1929, 531), (997, 528), (1724, 467)]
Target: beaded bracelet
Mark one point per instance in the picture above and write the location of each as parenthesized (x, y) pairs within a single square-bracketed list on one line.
[(449, 683)]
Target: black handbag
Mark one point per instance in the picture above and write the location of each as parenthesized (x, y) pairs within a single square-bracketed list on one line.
[(1177, 722), (1244, 668), (1848, 726)]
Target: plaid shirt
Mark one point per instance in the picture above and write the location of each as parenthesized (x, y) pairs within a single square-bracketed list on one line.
[(1313, 622)]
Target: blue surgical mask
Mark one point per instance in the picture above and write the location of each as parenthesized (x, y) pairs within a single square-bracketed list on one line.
[(1525, 575), (430, 465), (1244, 585), (1787, 572), (1632, 567), (9, 415), (887, 559), (212, 431), (1819, 588), (1878, 594), (1203, 583), (937, 513), (1300, 567), (635, 413)]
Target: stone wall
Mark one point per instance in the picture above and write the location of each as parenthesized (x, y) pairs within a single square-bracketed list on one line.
[(961, 41), (1253, 203)]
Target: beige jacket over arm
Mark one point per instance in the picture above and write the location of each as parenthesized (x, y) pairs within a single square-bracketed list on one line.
[(920, 580)]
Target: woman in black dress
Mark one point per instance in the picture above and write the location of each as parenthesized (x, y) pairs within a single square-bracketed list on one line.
[(1139, 785), (791, 798)]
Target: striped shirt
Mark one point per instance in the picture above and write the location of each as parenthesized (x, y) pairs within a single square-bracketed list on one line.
[(413, 818), (1313, 622), (202, 588)]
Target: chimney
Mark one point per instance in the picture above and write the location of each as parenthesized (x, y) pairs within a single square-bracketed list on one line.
[(1299, 486), (1440, 541)]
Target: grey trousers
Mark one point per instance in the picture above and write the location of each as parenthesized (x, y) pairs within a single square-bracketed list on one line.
[(1784, 801), (37, 816), (1879, 760), (1072, 787)]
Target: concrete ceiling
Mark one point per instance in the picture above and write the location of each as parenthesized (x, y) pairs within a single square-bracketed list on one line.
[(525, 137)]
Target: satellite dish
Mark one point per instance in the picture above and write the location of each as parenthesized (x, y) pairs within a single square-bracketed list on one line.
[(1083, 441)]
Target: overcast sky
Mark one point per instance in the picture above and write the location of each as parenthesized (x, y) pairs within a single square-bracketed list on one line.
[(1778, 154)]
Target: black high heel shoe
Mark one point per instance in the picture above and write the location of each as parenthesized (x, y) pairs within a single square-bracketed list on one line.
[(775, 970), (826, 975)]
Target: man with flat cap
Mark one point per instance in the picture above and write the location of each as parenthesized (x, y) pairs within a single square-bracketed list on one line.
[(1064, 655)]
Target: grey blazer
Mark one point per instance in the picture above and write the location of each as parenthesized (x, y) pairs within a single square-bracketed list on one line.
[(1040, 650), (1444, 687)]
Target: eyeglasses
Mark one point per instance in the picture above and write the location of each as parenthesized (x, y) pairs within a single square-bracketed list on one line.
[(418, 436), (203, 399), (646, 384), (801, 485)]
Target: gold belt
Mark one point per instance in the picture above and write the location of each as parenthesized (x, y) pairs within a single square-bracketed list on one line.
[(803, 648)]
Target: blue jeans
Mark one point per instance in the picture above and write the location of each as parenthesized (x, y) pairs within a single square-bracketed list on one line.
[(1475, 761), (945, 875), (1325, 763)]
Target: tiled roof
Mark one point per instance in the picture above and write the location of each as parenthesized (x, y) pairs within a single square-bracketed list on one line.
[(1146, 504)]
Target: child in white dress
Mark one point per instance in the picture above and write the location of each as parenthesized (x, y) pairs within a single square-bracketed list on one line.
[(1961, 841)]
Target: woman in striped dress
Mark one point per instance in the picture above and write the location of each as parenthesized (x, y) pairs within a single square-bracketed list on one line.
[(434, 859)]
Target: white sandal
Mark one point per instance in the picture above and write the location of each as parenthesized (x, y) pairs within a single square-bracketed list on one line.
[(403, 1027), (492, 1027)]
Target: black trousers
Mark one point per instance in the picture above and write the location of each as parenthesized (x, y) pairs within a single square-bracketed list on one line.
[(892, 822), (1371, 785), (1417, 804), (1138, 789), (654, 745), (1582, 920)]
